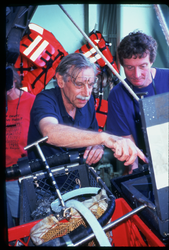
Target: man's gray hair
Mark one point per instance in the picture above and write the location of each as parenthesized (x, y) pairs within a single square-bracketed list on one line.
[(72, 64)]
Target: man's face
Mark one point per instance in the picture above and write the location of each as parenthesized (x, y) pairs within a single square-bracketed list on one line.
[(137, 70), (77, 92)]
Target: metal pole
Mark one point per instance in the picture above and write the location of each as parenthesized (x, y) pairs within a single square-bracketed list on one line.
[(112, 224), (36, 144), (103, 57), (162, 22)]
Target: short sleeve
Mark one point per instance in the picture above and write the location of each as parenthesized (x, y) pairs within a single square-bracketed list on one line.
[(45, 105)]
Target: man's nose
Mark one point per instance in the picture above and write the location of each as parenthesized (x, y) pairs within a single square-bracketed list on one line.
[(86, 90), (137, 72)]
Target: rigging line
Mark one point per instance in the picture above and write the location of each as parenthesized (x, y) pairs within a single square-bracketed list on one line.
[(102, 56)]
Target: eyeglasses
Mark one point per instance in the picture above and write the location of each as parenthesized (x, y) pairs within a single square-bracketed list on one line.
[(80, 82)]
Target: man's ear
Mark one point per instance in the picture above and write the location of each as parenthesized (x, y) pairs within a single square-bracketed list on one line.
[(60, 81)]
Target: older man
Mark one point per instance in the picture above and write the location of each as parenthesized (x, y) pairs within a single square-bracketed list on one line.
[(66, 115)]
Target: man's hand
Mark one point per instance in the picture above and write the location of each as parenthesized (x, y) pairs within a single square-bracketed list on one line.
[(125, 150), (93, 154)]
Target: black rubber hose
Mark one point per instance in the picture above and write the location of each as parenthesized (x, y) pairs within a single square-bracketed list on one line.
[(24, 167)]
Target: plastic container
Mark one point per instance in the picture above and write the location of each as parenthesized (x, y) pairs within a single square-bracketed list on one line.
[(19, 236), (139, 185), (38, 188), (131, 232)]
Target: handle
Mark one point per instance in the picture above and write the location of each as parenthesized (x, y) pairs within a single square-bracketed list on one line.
[(36, 143)]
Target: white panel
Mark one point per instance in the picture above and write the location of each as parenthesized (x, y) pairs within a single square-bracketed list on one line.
[(158, 137)]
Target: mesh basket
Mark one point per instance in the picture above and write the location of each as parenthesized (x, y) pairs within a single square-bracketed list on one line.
[(131, 232), (37, 191)]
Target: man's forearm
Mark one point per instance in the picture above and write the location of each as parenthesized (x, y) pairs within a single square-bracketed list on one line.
[(65, 136)]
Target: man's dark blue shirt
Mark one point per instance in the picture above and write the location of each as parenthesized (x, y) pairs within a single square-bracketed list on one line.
[(122, 108), (49, 103)]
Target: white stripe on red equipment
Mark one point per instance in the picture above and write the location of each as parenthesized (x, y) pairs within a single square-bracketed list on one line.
[(28, 50), (39, 50)]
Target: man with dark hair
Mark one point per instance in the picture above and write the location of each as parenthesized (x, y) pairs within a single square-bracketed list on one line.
[(66, 115), (136, 53)]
